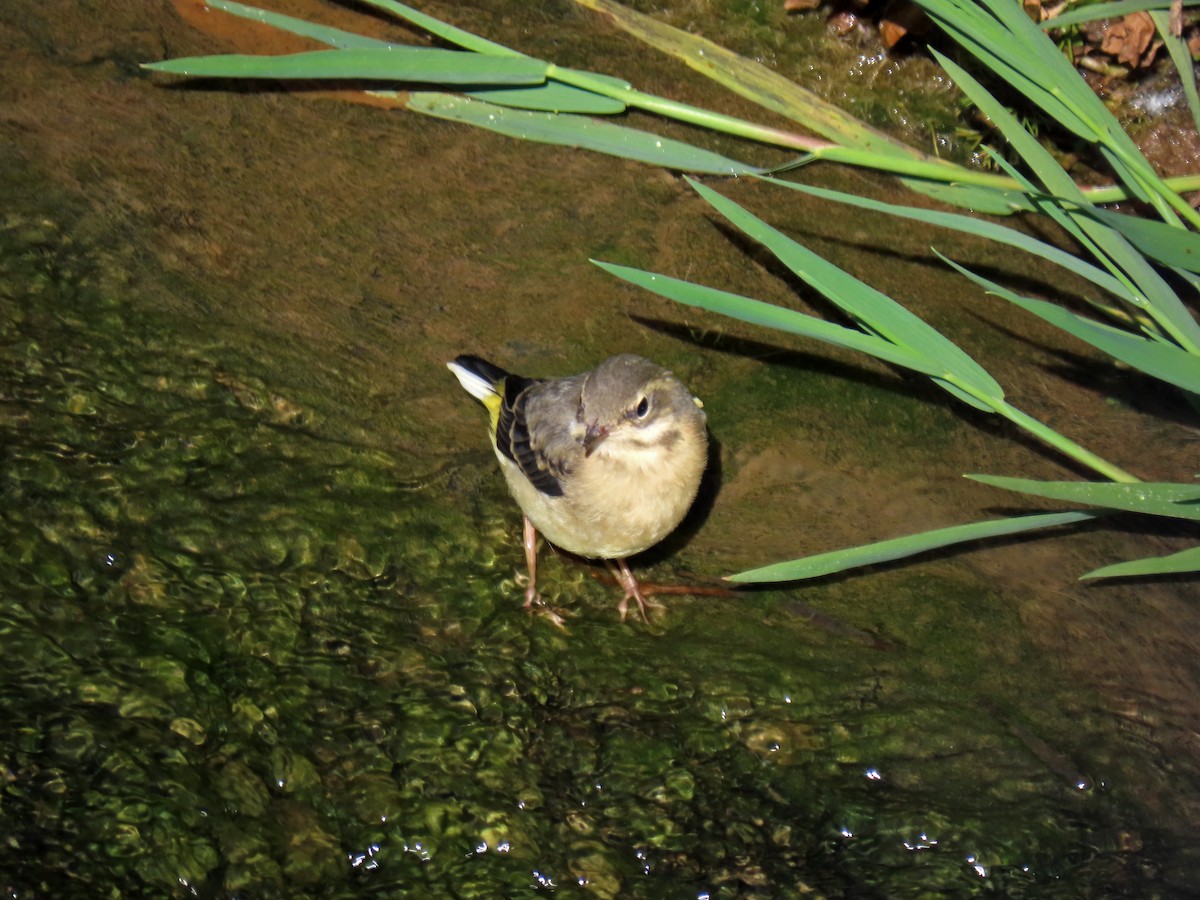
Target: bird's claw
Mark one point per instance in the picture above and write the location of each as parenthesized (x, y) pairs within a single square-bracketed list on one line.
[(643, 603), (539, 607)]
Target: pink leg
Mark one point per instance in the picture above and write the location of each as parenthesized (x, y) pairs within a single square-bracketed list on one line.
[(533, 600), (629, 585), (531, 594)]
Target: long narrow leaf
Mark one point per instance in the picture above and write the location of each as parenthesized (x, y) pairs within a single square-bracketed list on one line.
[(1158, 240), (1173, 564), (578, 131), (551, 97), (334, 37), (1181, 59), (978, 227), (1159, 359), (866, 304), (756, 312), (1111, 10), (394, 63), (443, 30), (899, 548), (1179, 501)]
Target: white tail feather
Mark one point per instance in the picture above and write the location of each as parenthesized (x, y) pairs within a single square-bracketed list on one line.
[(475, 385)]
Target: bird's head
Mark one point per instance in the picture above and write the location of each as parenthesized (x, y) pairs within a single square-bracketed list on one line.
[(629, 406)]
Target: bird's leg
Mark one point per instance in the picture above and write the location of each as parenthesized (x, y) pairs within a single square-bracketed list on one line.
[(531, 594), (620, 571), (533, 600)]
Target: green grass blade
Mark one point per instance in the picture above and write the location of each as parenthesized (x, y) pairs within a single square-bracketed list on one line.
[(982, 199), (756, 312), (880, 312), (751, 80), (443, 30), (979, 227), (1002, 37), (408, 64), (1057, 181), (1173, 564), (1158, 240), (1159, 359), (551, 97), (1158, 300), (1013, 59), (1181, 59), (334, 37), (1111, 10), (1179, 501), (578, 131), (899, 548)]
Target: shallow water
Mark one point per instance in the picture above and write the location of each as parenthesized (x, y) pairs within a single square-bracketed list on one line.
[(260, 624)]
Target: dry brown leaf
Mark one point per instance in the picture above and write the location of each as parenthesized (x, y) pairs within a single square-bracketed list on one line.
[(1131, 40)]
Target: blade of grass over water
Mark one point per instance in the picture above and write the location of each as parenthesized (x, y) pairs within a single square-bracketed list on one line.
[(864, 303), (1154, 296), (1174, 564), (326, 34), (899, 548), (888, 326), (577, 131), (1002, 37), (1157, 240), (1162, 360), (1179, 501), (756, 312), (392, 63), (551, 97), (980, 227)]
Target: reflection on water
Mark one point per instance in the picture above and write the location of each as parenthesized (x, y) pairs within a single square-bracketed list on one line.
[(242, 657)]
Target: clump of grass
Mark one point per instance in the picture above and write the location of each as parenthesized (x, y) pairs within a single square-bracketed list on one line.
[(1143, 322)]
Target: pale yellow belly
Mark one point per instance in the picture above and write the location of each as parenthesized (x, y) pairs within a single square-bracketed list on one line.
[(610, 511)]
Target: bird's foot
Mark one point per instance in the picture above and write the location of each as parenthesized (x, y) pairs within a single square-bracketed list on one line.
[(536, 606), (640, 593), (633, 591), (643, 603)]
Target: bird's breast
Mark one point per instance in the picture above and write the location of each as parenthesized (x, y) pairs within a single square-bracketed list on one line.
[(619, 501)]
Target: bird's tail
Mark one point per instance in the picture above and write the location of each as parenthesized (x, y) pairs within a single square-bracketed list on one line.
[(479, 378)]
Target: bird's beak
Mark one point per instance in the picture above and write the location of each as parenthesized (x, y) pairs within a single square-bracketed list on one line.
[(592, 439)]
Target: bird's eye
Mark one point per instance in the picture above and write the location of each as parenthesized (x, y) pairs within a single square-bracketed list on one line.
[(643, 407)]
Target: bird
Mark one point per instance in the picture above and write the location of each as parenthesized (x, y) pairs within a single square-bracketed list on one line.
[(605, 464)]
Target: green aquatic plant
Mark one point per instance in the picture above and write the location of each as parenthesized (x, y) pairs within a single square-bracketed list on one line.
[(1159, 12), (494, 87), (1144, 325)]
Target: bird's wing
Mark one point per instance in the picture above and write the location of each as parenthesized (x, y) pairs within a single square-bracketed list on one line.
[(528, 433)]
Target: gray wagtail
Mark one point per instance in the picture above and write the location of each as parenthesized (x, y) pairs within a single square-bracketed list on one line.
[(605, 464)]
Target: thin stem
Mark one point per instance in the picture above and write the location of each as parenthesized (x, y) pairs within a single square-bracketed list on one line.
[(1064, 444), (685, 112)]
